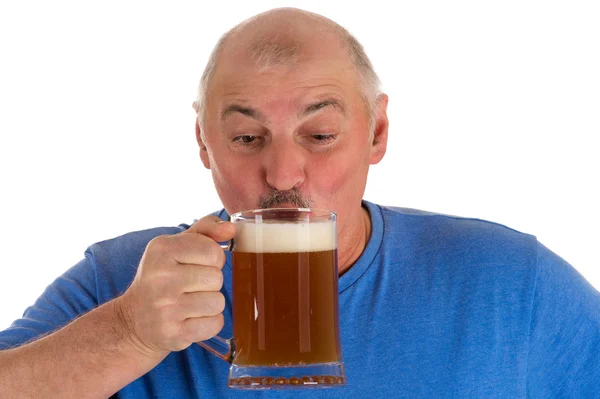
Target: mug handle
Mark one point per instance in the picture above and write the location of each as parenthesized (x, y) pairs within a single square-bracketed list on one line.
[(222, 348)]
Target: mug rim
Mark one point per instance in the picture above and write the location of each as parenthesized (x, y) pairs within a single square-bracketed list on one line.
[(250, 214)]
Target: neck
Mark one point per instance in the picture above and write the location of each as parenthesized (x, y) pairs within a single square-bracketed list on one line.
[(353, 240)]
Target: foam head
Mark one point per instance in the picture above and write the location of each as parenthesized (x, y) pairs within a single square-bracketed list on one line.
[(277, 237)]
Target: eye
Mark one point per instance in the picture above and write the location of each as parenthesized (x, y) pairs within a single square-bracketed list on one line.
[(323, 138), (246, 139), (247, 142)]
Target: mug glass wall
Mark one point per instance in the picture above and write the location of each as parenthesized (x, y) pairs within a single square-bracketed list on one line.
[(285, 300)]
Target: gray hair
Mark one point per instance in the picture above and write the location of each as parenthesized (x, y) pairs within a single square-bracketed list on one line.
[(272, 51)]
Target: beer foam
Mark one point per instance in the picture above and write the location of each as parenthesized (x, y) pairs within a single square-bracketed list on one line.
[(285, 237)]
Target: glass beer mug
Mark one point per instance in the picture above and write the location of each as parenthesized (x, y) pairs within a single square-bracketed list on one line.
[(285, 301)]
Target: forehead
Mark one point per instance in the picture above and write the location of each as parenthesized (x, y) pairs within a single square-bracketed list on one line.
[(310, 71)]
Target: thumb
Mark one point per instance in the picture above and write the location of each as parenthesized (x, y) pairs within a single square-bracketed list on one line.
[(213, 227)]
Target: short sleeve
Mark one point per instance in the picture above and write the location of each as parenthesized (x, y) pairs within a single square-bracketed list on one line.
[(564, 346), (69, 296)]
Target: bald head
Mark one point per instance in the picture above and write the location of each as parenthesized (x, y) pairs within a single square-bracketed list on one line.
[(283, 36)]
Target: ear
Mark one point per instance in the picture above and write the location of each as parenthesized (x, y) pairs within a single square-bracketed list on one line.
[(203, 151), (380, 135)]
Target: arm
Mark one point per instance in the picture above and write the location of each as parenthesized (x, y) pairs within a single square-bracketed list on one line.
[(564, 342), (173, 301), (92, 357)]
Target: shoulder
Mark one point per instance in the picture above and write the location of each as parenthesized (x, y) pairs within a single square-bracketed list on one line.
[(448, 225), (470, 240)]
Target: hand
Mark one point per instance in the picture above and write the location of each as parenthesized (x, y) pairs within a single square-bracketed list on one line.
[(174, 299)]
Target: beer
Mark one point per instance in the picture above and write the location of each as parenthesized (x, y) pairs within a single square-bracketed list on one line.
[(285, 294)]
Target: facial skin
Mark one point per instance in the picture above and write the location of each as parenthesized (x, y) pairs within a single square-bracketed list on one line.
[(299, 126)]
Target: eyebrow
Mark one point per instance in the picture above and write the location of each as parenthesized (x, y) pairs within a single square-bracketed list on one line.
[(308, 110), (330, 102), (247, 111)]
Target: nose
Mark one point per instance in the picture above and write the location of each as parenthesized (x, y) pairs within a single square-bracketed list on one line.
[(284, 165)]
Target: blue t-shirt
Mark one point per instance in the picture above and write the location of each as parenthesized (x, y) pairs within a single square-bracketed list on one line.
[(436, 307)]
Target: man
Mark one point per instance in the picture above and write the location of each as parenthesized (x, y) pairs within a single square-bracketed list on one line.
[(290, 114)]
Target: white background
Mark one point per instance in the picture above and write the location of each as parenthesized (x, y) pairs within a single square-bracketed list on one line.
[(494, 113)]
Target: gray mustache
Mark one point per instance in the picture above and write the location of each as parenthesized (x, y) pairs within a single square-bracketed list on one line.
[(293, 196)]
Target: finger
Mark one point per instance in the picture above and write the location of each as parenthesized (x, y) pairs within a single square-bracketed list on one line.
[(196, 249), (201, 304), (202, 328), (193, 278), (213, 227)]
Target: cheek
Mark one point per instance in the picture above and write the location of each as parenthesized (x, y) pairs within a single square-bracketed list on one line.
[(237, 185), (341, 177), (331, 178)]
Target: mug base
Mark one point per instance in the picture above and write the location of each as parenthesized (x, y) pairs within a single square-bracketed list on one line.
[(325, 375)]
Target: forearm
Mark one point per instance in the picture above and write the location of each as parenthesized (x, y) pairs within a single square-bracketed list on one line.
[(92, 357)]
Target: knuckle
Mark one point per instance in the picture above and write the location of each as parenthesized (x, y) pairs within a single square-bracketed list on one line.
[(159, 278), (156, 306), (215, 303), (207, 304), (194, 330), (191, 329), (218, 322), (157, 243), (158, 246), (212, 278), (214, 254), (209, 327), (205, 280), (204, 277), (219, 302), (219, 279)]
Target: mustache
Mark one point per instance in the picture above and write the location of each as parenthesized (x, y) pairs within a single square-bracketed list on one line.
[(293, 196)]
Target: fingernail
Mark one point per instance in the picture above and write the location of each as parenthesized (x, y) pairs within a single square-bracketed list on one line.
[(220, 221)]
